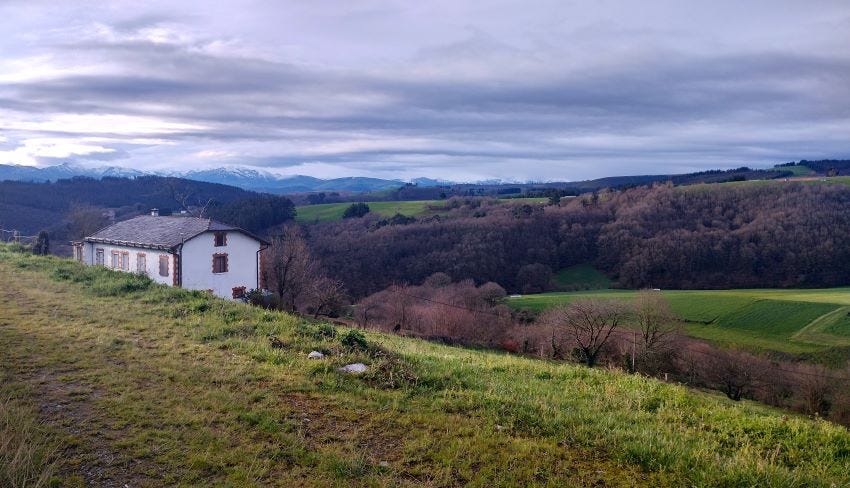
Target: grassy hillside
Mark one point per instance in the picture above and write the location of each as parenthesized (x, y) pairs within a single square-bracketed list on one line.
[(797, 170), (794, 321), (333, 211), (581, 277), (804, 179), (326, 212), (149, 386)]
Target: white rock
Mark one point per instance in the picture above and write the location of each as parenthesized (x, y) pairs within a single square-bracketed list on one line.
[(355, 368), (315, 355)]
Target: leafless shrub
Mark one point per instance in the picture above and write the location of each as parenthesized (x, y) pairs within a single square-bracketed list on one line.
[(451, 312), (326, 296), (815, 388)]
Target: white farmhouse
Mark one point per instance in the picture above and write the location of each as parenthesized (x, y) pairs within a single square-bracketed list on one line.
[(190, 252)]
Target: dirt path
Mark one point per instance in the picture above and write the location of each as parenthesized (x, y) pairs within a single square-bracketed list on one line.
[(136, 402), (58, 372)]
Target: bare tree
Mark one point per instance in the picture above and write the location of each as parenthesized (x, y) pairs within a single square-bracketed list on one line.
[(288, 267), (657, 327), (366, 310), (199, 209), (85, 220), (815, 388), (326, 295), (492, 293), (590, 323), (735, 373)]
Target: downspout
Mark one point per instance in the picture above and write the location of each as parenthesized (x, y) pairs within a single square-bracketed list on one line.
[(259, 270), (180, 263)]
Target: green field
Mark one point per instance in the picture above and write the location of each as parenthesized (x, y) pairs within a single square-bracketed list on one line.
[(797, 170), (581, 277), (107, 379), (327, 212), (333, 211), (793, 321), (803, 179)]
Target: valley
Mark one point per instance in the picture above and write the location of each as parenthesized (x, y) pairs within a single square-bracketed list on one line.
[(204, 397)]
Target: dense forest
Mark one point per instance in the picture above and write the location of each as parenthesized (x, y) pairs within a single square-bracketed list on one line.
[(69, 208), (711, 236)]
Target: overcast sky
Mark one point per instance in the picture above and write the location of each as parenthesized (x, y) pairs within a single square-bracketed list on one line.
[(461, 90)]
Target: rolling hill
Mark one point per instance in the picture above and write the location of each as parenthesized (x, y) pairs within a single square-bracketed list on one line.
[(242, 177), (328, 212), (110, 378)]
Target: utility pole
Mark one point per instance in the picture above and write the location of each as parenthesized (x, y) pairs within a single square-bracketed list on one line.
[(634, 349)]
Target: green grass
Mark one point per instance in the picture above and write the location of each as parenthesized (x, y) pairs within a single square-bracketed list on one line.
[(156, 386), (328, 212), (581, 277), (797, 170), (840, 325), (789, 321), (813, 180), (527, 199), (333, 211)]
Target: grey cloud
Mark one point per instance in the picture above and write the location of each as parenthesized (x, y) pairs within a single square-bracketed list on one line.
[(667, 106)]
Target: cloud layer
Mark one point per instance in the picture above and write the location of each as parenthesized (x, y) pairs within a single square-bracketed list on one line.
[(459, 90)]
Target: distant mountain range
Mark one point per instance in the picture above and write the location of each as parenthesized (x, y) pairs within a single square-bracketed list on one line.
[(247, 178), (265, 181)]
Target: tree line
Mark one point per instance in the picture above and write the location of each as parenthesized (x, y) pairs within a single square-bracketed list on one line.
[(73, 208), (641, 337), (724, 236)]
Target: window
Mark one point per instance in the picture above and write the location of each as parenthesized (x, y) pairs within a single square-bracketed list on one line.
[(219, 263), (141, 263), (220, 239), (99, 257), (125, 261), (163, 265), (116, 260)]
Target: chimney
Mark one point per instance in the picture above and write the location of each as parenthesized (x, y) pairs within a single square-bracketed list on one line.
[(154, 212)]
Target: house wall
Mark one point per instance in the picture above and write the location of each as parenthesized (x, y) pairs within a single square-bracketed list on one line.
[(151, 259), (241, 253)]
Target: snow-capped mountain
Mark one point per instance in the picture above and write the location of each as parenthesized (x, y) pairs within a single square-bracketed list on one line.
[(240, 176)]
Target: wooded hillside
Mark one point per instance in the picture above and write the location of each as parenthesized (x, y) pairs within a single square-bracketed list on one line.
[(705, 236)]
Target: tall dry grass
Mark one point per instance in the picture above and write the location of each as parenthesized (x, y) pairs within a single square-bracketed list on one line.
[(26, 452)]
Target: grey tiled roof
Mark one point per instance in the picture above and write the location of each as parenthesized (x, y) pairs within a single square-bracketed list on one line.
[(159, 232)]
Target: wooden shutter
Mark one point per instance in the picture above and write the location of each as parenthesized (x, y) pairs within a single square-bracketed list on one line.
[(219, 263), (163, 265)]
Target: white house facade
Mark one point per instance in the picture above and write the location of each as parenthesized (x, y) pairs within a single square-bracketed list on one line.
[(190, 252)]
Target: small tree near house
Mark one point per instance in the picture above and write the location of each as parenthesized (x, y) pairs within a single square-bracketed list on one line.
[(289, 268)]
